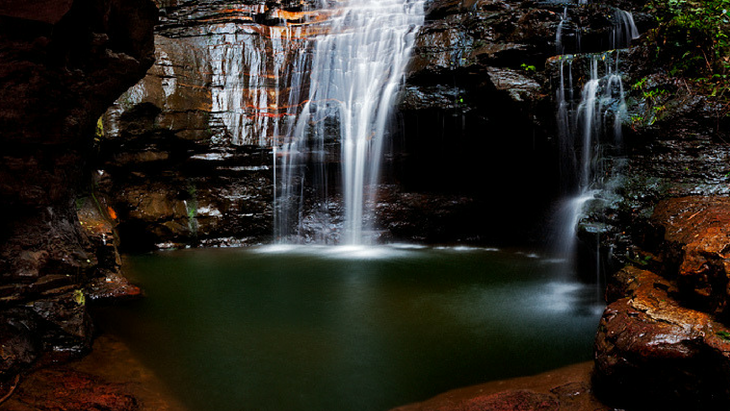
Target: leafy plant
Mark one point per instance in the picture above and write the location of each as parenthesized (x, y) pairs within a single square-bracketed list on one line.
[(528, 67), (99, 132), (693, 37), (79, 297), (724, 335)]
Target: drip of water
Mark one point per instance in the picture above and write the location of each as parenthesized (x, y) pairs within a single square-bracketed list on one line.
[(560, 47), (357, 66)]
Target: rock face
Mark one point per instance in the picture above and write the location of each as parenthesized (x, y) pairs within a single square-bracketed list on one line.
[(674, 145), (61, 64), (194, 137), (181, 159), (662, 341)]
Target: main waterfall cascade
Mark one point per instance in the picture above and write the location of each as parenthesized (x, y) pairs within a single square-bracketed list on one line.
[(357, 65), (589, 122)]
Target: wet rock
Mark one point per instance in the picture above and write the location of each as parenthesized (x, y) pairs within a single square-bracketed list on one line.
[(566, 389), (519, 87), (182, 164), (430, 218), (520, 400), (61, 64), (71, 391), (20, 344), (692, 235), (652, 352)]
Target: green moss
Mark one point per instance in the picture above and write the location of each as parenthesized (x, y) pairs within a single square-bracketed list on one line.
[(79, 297), (99, 133)]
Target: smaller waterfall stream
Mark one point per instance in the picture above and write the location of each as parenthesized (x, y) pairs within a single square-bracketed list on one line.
[(587, 128)]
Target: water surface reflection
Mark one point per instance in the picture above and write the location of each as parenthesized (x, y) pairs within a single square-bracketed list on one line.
[(348, 328)]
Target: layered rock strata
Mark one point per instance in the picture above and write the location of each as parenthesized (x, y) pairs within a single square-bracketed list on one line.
[(476, 107), (62, 63), (186, 154)]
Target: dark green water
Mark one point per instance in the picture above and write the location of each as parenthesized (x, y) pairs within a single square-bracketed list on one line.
[(327, 329)]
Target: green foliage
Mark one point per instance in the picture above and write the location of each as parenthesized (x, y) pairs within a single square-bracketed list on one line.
[(528, 68), (99, 133), (653, 102), (191, 206), (79, 297), (724, 335), (639, 260), (693, 37)]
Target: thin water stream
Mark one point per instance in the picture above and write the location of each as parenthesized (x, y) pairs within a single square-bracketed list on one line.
[(348, 328)]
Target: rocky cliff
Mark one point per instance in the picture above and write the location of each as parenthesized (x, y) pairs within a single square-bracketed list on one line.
[(62, 63), (183, 160)]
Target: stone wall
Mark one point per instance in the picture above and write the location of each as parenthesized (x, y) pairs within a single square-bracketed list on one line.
[(62, 63)]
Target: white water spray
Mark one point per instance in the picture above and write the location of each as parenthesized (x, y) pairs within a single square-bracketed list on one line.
[(357, 67)]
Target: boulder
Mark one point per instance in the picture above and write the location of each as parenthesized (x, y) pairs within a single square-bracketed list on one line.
[(693, 236), (653, 353)]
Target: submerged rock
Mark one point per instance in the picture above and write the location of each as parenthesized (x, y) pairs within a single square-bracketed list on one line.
[(70, 390), (565, 389)]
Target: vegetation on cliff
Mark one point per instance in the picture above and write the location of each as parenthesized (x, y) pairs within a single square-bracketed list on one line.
[(693, 40)]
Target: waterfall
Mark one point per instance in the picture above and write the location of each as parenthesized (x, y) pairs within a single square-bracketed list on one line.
[(586, 128), (588, 121), (559, 34), (624, 29), (357, 65), (621, 33)]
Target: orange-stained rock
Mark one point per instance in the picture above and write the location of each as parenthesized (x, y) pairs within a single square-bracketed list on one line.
[(696, 243), (69, 390), (650, 351)]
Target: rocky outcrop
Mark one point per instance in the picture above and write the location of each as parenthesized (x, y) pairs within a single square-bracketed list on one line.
[(663, 341), (62, 64), (674, 145), (479, 104)]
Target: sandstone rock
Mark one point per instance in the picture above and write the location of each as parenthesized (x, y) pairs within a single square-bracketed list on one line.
[(694, 239), (70, 390), (652, 352), (565, 389)]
